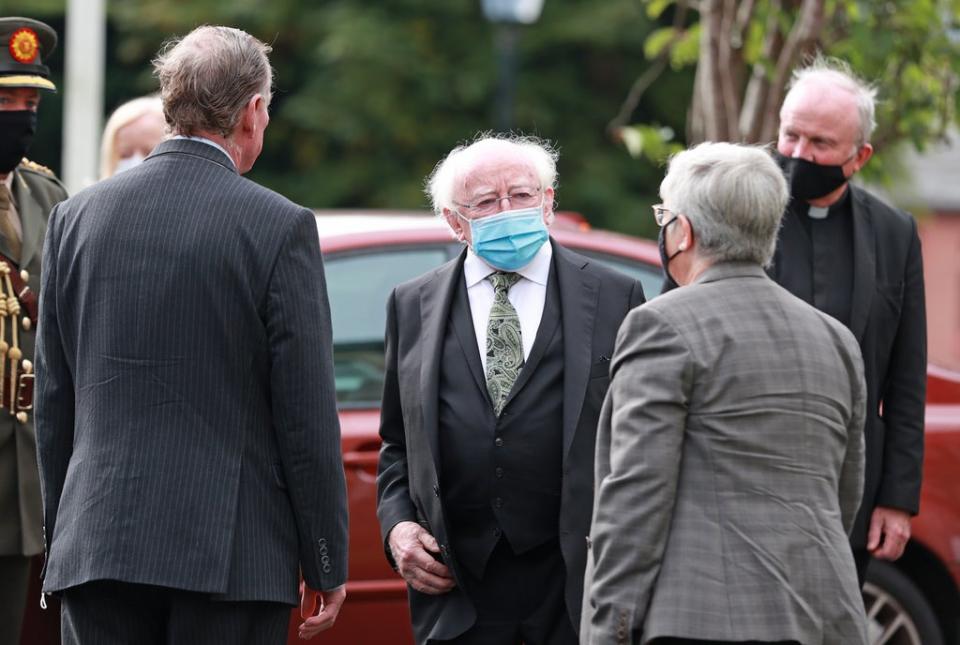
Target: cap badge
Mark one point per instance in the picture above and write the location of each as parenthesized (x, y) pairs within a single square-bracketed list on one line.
[(24, 45)]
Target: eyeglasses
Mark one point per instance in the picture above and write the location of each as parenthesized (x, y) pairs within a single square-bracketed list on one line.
[(660, 213), (521, 197)]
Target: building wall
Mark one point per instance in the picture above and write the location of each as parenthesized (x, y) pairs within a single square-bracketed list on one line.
[(940, 237)]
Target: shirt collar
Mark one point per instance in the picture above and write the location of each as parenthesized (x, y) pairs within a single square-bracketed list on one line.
[(475, 270), (208, 142)]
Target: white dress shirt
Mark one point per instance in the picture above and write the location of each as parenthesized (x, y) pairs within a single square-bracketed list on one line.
[(527, 296)]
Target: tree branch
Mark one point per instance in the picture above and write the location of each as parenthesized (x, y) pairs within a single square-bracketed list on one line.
[(730, 72), (801, 40), (710, 126), (651, 74), (754, 102)]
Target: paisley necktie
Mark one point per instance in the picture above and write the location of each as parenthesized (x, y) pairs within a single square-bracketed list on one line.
[(504, 343)]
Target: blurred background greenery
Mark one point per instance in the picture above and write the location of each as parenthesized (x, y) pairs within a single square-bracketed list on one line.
[(370, 95)]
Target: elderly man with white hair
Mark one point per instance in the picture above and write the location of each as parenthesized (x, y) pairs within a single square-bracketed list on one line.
[(730, 447), (496, 367)]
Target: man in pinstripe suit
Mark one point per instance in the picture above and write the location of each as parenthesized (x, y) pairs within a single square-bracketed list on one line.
[(187, 430)]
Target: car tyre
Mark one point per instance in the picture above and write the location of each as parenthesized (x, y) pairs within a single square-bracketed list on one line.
[(897, 611)]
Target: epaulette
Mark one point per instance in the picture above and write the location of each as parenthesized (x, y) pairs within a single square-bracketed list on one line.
[(26, 164)]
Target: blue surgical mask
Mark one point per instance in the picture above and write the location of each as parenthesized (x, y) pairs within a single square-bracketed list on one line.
[(508, 241)]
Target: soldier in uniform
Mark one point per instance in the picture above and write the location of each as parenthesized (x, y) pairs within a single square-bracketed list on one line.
[(28, 192)]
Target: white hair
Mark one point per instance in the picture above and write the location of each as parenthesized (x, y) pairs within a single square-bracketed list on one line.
[(442, 183), (733, 195), (838, 73)]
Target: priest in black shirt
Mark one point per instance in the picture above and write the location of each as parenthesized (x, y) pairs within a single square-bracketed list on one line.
[(858, 259)]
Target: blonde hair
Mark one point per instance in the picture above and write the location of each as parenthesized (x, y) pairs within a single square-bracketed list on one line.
[(124, 115)]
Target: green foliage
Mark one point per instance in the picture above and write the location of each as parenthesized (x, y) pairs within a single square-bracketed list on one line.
[(909, 50), (369, 96), (657, 41), (687, 48)]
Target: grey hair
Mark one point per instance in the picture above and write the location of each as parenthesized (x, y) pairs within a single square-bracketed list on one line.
[(452, 170), (839, 73), (733, 195), (208, 77)]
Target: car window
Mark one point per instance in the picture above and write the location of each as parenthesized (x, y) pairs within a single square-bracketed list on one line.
[(649, 275), (359, 285)]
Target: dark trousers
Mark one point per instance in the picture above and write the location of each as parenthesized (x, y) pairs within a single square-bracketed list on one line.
[(861, 558), (107, 612), (688, 641), (520, 599), (14, 572)]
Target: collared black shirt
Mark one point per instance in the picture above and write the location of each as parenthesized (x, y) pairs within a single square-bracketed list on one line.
[(814, 258)]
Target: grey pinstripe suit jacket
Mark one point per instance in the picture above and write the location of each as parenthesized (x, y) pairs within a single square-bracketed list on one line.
[(186, 423), (729, 471)]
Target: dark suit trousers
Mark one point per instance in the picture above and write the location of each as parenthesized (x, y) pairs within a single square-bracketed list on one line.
[(107, 612), (519, 599), (861, 558), (14, 572), (688, 641)]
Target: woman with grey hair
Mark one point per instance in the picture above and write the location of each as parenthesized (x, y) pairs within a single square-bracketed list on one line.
[(729, 461)]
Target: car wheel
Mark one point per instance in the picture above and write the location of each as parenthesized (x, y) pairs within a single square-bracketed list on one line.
[(897, 612)]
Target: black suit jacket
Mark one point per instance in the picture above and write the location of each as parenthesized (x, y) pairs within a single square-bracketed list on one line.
[(186, 421), (594, 301), (888, 318)]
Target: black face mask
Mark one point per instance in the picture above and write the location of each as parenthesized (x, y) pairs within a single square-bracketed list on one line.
[(17, 128), (808, 180), (670, 283)]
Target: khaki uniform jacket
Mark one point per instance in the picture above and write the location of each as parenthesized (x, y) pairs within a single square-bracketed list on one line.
[(35, 191)]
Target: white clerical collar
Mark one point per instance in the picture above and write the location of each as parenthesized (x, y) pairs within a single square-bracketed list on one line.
[(208, 142), (475, 270)]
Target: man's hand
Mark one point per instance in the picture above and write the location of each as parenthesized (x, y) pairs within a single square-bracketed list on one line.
[(413, 547), (330, 603), (889, 533)]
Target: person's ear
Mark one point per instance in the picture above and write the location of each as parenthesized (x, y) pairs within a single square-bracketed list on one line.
[(248, 118), (548, 206), (454, 223), (686, 233), (863, 156)]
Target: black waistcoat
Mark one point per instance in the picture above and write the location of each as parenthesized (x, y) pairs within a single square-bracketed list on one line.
[(501, 476)]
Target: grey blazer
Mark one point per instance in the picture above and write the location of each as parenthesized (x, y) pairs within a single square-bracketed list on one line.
[(186, 423), (729, 471)]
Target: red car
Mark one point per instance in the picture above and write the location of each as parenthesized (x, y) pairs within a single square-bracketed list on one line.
[(914, 601)]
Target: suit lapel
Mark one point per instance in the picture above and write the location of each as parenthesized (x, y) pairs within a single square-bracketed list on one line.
[(864, 266), (436, 297), (579, 291), (462, 323)]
